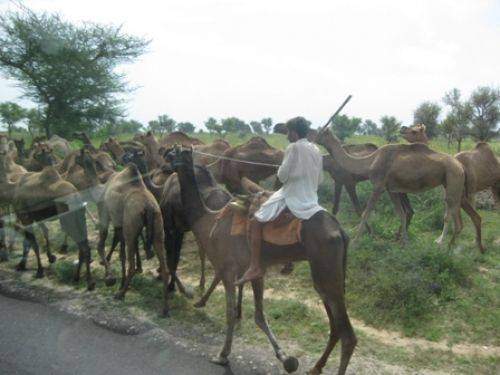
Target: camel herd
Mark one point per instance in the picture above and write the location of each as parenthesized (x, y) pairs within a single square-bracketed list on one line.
[(156, 190)]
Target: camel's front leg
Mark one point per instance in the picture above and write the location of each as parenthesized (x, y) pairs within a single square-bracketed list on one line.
[(52, 258), (290, 364), (228, 281)]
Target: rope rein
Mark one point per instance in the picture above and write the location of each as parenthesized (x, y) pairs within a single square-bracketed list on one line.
[(219, 157)]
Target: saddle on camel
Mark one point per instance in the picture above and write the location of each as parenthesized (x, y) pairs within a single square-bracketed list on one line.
[(277, 220)]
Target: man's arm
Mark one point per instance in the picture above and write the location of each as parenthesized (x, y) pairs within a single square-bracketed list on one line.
[(288, 161)]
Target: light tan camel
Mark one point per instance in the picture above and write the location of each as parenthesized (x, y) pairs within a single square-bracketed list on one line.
[(130, 207), (404, 169), (481, 166), (45, 195), (324, 245), (482, 169)]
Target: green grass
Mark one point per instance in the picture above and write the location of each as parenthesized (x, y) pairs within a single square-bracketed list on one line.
[(421, 290)]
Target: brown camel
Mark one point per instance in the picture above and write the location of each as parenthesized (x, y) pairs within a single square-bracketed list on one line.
[(324, 245), (414, 134), (203, 152), (45, 195), (412, 168), (481, 166), (179, 138), (174, 221), (482, 169), (344, 178), (87, 142), (130, 207), (256, 150)]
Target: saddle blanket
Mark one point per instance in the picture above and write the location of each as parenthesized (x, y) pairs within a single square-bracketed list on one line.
[(285, 230)]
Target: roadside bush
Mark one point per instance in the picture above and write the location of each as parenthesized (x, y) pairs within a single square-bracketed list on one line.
[(403, 285)]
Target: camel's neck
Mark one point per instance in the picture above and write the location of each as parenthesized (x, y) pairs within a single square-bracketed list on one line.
[(355, 165), (146, 177), (91, 173), (190, 195)]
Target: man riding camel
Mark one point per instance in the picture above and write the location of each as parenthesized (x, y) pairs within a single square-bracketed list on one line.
[(301, 172)]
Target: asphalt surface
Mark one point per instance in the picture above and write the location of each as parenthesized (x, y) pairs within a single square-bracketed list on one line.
[(38, 339)]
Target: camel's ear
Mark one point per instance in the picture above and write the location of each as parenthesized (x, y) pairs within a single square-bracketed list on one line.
[(251, 187)]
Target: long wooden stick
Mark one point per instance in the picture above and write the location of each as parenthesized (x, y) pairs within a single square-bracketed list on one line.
[(330, 120)]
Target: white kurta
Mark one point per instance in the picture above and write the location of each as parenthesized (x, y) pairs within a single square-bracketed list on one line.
[(300, 172)]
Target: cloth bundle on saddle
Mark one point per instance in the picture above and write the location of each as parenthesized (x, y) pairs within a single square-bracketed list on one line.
[(285, 230)]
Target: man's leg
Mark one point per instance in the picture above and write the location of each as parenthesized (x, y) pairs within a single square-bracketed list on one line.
[(254, 270)]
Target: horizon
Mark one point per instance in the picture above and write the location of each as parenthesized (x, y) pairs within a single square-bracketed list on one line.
[(282, 59)]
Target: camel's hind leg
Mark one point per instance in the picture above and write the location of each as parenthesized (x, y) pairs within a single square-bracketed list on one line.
[(203, 300), (52, 258), (131, 245), (401, 212), (29, 240), (289, 363), (476, 219)]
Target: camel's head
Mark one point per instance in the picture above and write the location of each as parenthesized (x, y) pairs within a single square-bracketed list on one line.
[(43, 154), (20, 147), (179, 157), (84, 159), (136, 156), (414, 134)]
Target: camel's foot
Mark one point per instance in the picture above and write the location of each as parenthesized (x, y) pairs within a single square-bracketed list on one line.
[(287, 269), (110, 281), (439, 240), (91, 286), (313, 371), (220, 360), (120, 296), (165, 313), (52, 258), (150, 255), (200, 304), (291, 364), (63, 249), (21, 266), (39, 273)]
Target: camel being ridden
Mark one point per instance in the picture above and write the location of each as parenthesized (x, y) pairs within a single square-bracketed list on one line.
[(412, 168), (324, 245)]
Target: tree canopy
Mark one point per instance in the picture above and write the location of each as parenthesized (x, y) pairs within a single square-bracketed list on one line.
[(344, 126), (484, 112), (427, 113), (10, 114), (68, 70), (390, 128), (185, 127)]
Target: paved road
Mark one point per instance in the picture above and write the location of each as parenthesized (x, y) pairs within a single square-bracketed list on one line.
[(37, 339)]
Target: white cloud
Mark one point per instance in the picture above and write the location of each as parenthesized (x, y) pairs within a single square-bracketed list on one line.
[(253, 59)]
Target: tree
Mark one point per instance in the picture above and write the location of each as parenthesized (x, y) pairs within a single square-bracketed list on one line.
[(235, 125), (369, 127), (11, 113), (154, 126), (390, 128), (485, 112), (267, 124), (213, 126), (458, 119), (129, 126), (345, 127), (256, 127), (68, 70), (185, 127), (167, 124), (34, 121), (427, 113), (448, 128)]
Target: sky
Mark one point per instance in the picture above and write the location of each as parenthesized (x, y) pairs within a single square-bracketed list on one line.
[(285, 58)]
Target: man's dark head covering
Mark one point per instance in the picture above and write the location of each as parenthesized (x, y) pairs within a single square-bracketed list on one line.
[(300, 125)]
